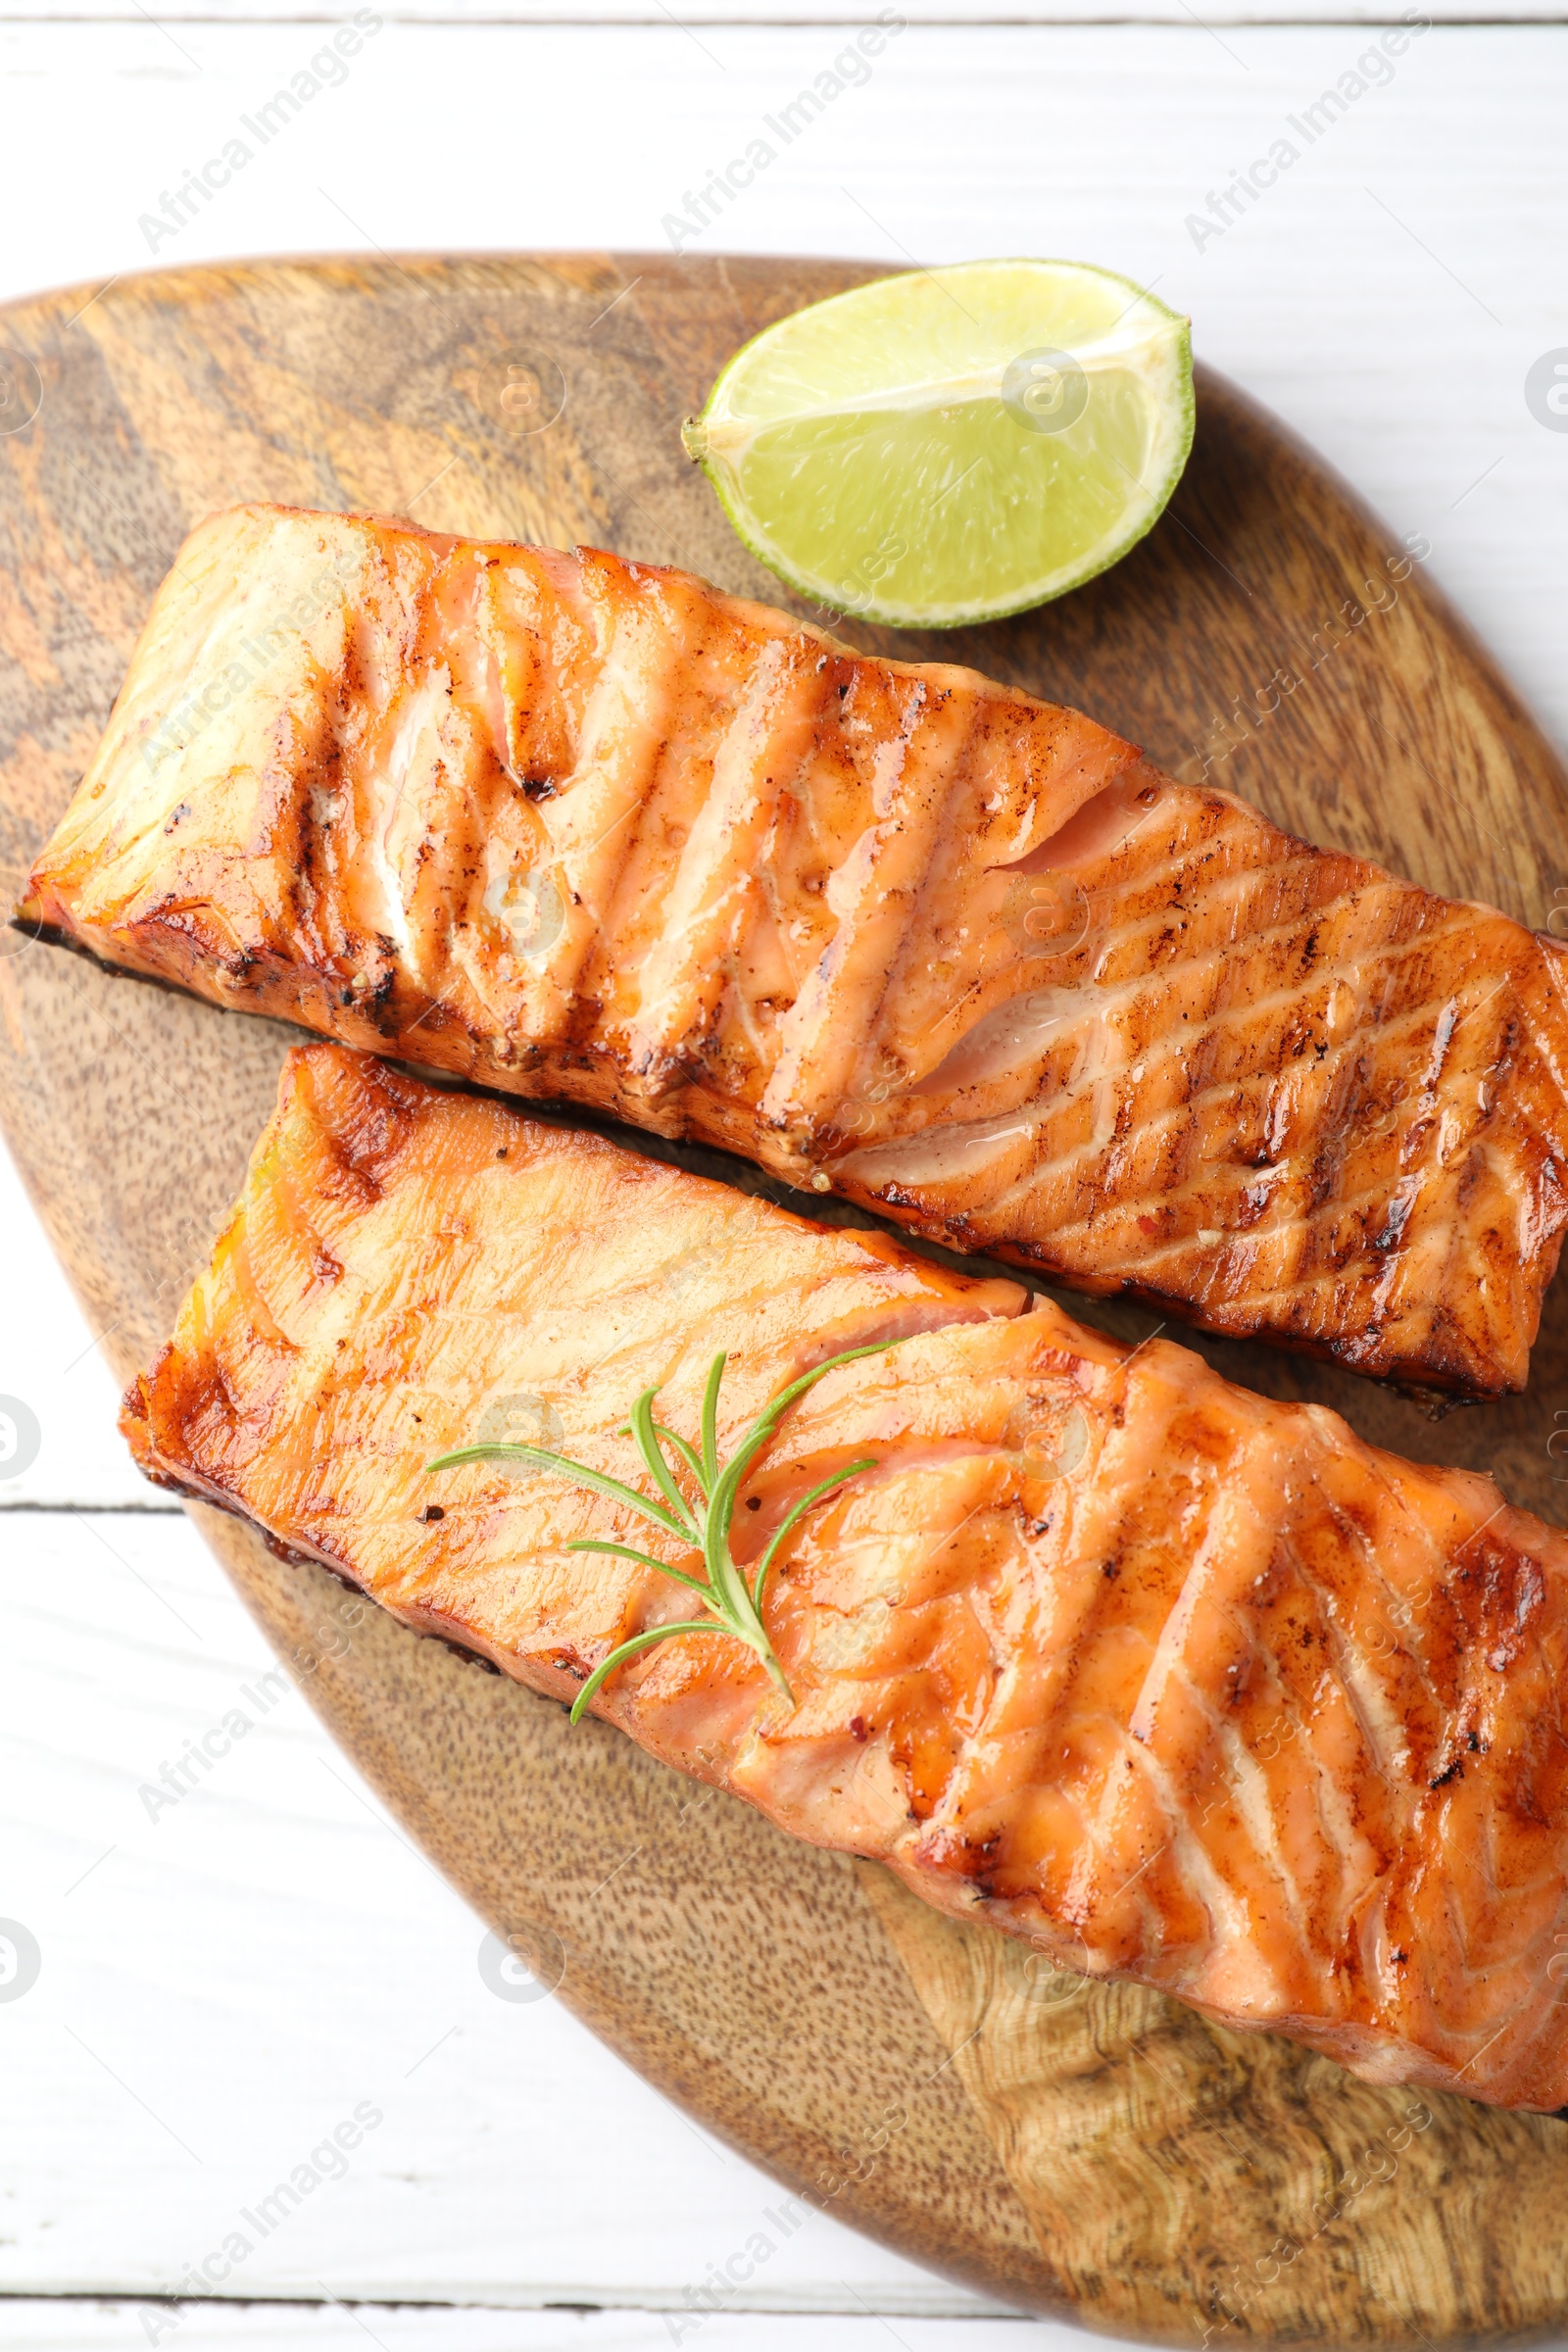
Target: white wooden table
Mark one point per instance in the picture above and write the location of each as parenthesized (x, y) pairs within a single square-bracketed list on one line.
[(223, 1980)]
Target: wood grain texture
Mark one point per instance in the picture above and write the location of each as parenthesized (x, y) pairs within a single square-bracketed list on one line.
[(1102, 2153), (1173, 2168)]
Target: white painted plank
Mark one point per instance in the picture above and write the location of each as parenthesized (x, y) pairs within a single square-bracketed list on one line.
[(1389, 295), (62, 2326), (225, 1979), (607, 13), (58, 1399), (256, 1961)]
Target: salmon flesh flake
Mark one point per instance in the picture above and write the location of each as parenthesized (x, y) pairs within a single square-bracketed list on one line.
[(580, 828), (1183, 1685)]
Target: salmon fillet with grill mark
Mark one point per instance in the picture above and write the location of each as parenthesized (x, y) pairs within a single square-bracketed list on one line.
[(581, 828), (1181, 1684)]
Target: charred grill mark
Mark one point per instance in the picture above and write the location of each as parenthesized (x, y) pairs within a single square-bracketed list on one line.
[(992, 1813), (1211, 921)]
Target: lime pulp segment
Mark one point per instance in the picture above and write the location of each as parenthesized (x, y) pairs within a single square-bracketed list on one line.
[(952, 445)]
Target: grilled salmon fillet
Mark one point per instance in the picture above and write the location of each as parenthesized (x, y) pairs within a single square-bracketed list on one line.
[(586, 829), (1181, 1684)]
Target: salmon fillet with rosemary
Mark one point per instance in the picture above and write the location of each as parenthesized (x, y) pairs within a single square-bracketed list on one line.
[(581, 828), (1184, 1685)]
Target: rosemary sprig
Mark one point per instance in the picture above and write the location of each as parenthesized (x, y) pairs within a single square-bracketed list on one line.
[(704, 1524)]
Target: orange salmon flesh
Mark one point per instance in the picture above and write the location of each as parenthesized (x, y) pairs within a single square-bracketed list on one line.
[(580, 828), (1184, 1685)]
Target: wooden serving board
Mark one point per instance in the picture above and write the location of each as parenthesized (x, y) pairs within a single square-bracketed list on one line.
[(1090, 2150)]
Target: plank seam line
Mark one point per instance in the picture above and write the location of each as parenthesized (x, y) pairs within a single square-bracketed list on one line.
[(90, 1510), (657, 24), (592, 2301)]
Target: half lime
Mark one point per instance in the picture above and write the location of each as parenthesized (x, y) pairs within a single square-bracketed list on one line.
[(952, 445)]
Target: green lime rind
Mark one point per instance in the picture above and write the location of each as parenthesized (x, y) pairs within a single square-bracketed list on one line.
[(882, 452)]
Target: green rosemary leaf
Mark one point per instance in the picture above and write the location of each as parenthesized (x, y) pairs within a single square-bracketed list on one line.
[(629, 1649), (688, 1454), (765, 1427), (777, 1406), (648, 1445), (793, 1518), (579, 1474), (715, 1373), (732, 1607), (645, 1559)]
